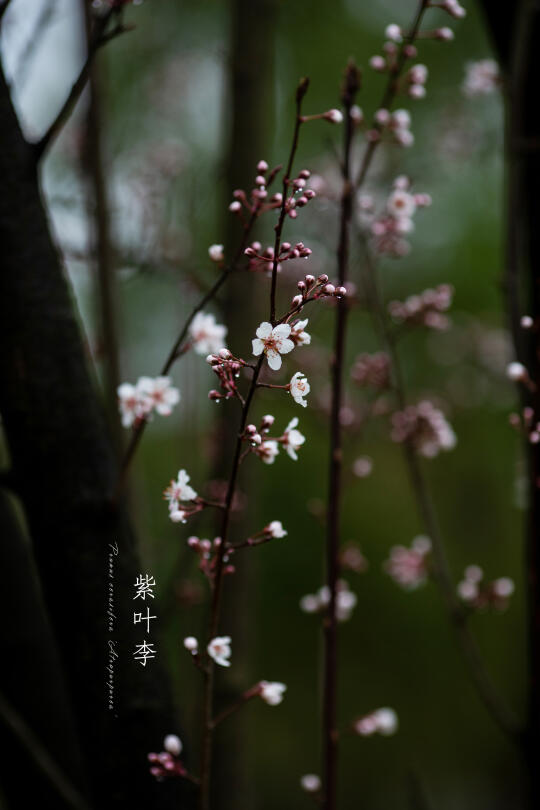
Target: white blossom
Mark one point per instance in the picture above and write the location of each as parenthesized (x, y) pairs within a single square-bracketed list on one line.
[(298, 334), (138, 401), (268, 450), (219, 649), (299, 388), (273, 341), (393, 33), (275, 529), (292, 439), (207, 335), (272, 692)]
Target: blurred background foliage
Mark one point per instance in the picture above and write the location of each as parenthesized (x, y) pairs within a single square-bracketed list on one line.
[(167, 118)]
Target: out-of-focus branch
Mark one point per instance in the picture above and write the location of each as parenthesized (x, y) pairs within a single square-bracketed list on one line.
[(4, 7), (100, 36), (476, 666), (101, 248), (330, 732)]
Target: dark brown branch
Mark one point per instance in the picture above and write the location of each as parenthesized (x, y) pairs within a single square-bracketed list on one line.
[(206, 752), (100, 36), (329, 731), (391, 89), (300, 93)]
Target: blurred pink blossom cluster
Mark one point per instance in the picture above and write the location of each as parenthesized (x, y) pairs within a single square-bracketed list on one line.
[(372, 370), (425, 309), (409, 567), (425, 426)]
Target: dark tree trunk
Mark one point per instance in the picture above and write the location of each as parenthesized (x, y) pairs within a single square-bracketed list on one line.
[(515, 29), (64, 468)]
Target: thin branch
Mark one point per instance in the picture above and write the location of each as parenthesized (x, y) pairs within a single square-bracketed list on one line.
[(494, 703), (391, 89), (300, 93), (213, 623), (177, 351), (100, 36), (330, 733), (41, 756)]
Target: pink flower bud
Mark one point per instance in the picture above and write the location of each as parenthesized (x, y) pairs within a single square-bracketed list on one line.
[(297, 300), (235, 206), (262, 166), (334, 116), (322, 279), (310, 279), (329, 289), (378, 63)]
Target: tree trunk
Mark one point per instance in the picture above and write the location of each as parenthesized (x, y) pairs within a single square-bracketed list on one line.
[(64, 468)]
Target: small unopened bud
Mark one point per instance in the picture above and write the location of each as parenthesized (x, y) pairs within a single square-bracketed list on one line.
[(393, 32), (526, 322), (329, 289), (378, 63), (517, 372), (301, 285), (172, 744), (262, 166), (310, 279), (191, 644), (214, 395), (322, 279), (297, 300), (224, 354), (251, 429), (382, 117), (341, 291), (334, 116), (216, 253), (445, 34), (235, 206)]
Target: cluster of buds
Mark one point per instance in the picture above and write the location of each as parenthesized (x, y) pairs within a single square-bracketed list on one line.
[(258, 200), (299, 195), (182, 499), (207, 551), (425, 427), (481, 78), (311, 288), (409, 567), (526, 424), (390, 226), (372, 370), (138, 402), (481, 596), (318, 602), (263, 260), (425, 309), (382, 721), (227, 368), (167, 764), (394, 127)]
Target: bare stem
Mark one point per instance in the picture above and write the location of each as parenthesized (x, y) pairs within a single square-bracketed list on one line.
[(330, 732), (213, 623), (300, 93), (502, 715)]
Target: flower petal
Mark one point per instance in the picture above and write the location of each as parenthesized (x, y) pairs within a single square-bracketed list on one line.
[(264, 330), (282, 330), (284, 345), (274, 359), (258, 346)]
